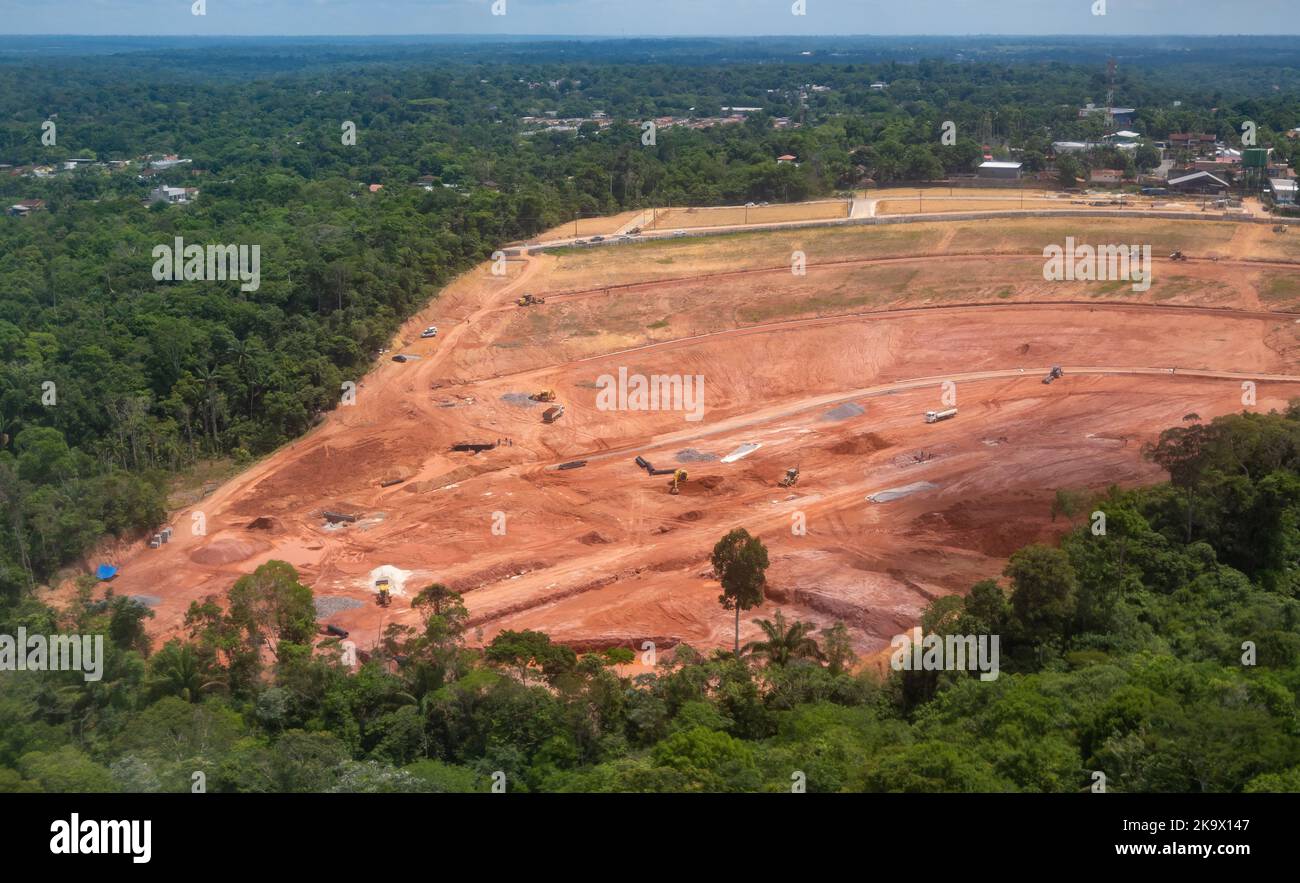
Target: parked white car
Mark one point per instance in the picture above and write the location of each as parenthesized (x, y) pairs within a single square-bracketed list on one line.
[(431, 331)]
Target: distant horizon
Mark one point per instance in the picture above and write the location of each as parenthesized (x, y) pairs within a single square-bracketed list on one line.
[(619, 19), (702, 36)]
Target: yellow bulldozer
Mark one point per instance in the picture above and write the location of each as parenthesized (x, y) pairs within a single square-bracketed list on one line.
[(545, 395), (529, 300), (383, 592), (679, 478)]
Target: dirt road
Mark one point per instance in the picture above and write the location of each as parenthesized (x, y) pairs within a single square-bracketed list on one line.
[(603, 555)]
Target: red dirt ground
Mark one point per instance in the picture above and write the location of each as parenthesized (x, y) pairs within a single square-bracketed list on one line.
[(603, 555)]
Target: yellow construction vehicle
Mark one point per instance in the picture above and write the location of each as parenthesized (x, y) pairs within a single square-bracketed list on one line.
[(545, 395), (529, 300), (383, 590), (791, 476), (679, 477)]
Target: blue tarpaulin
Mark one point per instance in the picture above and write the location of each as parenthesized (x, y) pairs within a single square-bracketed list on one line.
[(106, 571)]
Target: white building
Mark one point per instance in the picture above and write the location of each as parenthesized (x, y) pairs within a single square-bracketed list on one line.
[(1002, 170), (169, 162), (173, 195), (1283, 190)]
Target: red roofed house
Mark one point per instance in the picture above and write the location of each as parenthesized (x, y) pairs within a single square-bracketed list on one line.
[(26, 207)]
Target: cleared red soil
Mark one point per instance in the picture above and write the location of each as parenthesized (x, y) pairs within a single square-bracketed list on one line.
[(829, 372)]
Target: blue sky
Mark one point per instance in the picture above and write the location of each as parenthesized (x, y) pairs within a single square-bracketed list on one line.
[(648, 17)]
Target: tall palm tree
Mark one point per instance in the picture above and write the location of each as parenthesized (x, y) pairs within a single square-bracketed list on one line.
[(177, 672), (785, 643)]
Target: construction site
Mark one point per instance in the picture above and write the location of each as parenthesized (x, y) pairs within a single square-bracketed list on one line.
[(892, 417)]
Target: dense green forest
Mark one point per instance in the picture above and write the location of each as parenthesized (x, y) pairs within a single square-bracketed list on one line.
[(1164, 654), (111, 382), (1121, 653)]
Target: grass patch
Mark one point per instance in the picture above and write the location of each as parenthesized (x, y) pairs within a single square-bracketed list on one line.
[(194, 483), (778, 308), (1280, 287), (1110, 286)]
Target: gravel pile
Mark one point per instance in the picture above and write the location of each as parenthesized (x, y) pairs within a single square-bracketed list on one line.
[(329, 605), (690, 455), (843, 412), (521, 399)]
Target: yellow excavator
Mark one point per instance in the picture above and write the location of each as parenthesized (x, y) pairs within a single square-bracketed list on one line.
[(529, 300), (679, 478), (545, 395)]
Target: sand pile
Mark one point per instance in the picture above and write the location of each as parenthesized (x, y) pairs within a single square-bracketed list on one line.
[(396, 578)]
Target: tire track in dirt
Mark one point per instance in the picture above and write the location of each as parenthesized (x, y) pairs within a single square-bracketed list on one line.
[(893, 313), (393, 387), (761, 522), (604, 290), (336, 423), (832, 399)]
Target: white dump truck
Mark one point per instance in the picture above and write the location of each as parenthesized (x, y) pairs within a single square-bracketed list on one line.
[(936, 416)]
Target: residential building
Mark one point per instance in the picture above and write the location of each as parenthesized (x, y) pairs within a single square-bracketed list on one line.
[(173, 195), (1198, 143), (1283, 190), (1122, 116), (1196, 182), (1106, 176), (1006, 171), (26, 207)]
